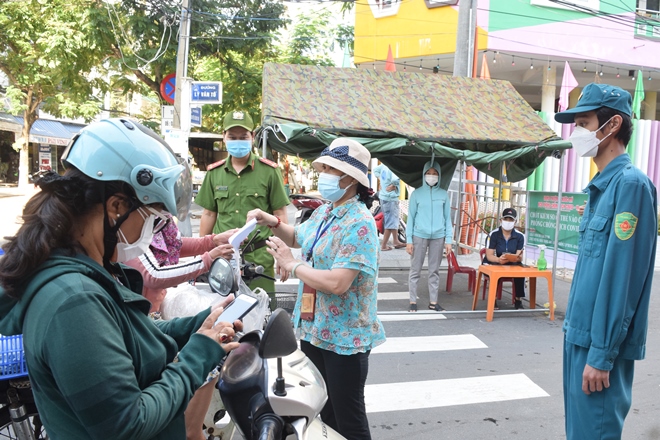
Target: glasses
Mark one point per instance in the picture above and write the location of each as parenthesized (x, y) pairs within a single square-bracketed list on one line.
[(161, 219)]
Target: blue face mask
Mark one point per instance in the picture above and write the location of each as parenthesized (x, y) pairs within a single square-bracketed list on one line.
[(329, 187), (239, 148)]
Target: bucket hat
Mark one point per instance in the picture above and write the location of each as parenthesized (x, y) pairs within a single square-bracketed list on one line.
[(347, 156), (595, 96)]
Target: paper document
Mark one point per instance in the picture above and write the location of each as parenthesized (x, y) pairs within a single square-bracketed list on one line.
[(237, 238)]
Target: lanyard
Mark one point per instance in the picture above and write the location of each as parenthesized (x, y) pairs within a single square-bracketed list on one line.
[(319, 233)]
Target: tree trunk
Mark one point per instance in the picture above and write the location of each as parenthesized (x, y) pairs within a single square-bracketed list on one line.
[(29, 116)]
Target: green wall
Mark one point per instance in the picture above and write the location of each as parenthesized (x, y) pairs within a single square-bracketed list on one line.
[(512, 14)]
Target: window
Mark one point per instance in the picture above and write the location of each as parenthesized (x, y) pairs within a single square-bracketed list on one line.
[(648, 6), (438, 3), (384, 8), (591, 4), (647, 18)]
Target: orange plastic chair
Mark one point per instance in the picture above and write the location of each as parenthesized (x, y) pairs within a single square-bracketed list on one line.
[(482, 254), (454, 268)]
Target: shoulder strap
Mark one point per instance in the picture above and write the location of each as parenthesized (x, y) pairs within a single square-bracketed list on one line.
[(215, 164), (268, 162)]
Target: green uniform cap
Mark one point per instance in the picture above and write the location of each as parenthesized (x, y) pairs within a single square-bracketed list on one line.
[(237, 118)]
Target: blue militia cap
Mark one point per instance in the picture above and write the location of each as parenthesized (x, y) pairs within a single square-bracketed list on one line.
[(595, 96)]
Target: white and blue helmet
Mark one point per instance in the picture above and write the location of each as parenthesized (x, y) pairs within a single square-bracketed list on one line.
[(124, 150)]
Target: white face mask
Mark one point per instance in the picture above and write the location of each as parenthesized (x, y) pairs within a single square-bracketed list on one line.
[(431, 179), (585, 143), (508, 225), (127, 251)]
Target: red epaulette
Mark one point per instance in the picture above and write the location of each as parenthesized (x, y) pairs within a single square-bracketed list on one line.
[(216, 164), (268, 162)]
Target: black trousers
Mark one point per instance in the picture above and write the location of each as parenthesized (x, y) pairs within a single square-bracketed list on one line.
[(345, 377)]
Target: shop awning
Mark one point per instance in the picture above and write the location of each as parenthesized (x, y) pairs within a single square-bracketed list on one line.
[(46, 131)]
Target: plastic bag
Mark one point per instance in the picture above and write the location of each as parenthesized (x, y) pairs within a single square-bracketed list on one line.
[(256, 319), (186, 300)]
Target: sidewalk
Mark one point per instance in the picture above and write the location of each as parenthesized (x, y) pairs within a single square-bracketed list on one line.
[(12, 201)]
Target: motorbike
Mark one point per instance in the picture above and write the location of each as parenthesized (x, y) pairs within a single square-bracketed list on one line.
[(268, 387), (306, 204)]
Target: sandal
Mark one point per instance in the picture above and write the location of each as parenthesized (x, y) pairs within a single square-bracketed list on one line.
[(436, 307), (413, 307)]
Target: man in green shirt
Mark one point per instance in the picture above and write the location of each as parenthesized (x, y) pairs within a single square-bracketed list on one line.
[(238, 184)]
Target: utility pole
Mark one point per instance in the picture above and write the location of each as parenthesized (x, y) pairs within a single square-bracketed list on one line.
[(181, 100), (181, 120), (465, 35)]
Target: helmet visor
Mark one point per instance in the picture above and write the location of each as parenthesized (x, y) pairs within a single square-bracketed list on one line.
[(183, 193)]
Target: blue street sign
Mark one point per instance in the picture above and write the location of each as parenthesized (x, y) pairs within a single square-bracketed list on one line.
[(206, 92), (196, 116)]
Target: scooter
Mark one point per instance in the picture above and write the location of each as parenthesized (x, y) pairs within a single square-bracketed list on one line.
[(305, 205), (269, 388)]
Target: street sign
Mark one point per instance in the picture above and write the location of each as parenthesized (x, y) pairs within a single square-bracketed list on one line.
[(166, 118), (206, 92), (168, 87), (196, 116), (178, 141)]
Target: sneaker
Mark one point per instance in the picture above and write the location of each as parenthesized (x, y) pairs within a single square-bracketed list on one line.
[(518, 305)]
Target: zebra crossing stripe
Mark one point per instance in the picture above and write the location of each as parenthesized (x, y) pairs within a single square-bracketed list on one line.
[(295, 281), (429, 343), (406, 316), (405, 396), (393, 295)]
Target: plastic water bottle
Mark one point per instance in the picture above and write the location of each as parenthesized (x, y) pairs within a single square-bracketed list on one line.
[(541, 264)]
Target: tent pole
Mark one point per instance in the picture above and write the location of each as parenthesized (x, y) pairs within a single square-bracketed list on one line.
[(457, 214), (559, 192)]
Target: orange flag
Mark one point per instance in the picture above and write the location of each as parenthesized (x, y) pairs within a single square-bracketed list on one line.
[(485, 73), (389, 64)]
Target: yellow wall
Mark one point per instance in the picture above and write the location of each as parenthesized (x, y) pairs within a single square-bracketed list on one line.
[(415, 31)]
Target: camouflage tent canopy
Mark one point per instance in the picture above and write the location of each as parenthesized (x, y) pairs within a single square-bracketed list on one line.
[(406, 118)]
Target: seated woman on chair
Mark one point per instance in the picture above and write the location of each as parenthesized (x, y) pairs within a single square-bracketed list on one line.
[(506, 240)]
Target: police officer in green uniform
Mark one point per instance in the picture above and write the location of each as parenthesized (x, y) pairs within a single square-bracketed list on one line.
[(238, 184), (608, 305)]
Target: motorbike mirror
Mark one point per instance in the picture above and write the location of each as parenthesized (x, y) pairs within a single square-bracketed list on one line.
[(221, 277), (278, 339)]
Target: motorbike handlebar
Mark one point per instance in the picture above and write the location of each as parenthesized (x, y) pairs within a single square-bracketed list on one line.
[(269, 427)]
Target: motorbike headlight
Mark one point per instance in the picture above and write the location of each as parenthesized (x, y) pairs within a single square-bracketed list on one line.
[(241, 363)]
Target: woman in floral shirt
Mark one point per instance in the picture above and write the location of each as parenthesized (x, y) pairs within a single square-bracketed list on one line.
[(335, 314)]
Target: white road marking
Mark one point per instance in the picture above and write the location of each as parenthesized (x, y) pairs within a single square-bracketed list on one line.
[(406, 316), (405, 396), (393, 295), (429, 343), (295, 281), (386, 280)]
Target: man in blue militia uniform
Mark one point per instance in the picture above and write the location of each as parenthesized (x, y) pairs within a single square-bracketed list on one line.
[(607, 314), (241, 183)]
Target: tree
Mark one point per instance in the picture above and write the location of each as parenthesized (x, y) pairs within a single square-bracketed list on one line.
[(145, 36), (310, 40), (48, 52)]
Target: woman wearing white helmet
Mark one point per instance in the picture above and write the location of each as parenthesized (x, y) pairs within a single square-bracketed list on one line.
[(99, 367)]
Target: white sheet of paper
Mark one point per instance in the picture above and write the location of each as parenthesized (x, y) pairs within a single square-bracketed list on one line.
[(237, 238)]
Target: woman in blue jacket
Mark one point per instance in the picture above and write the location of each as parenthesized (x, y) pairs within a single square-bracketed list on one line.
[(429, 229)]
